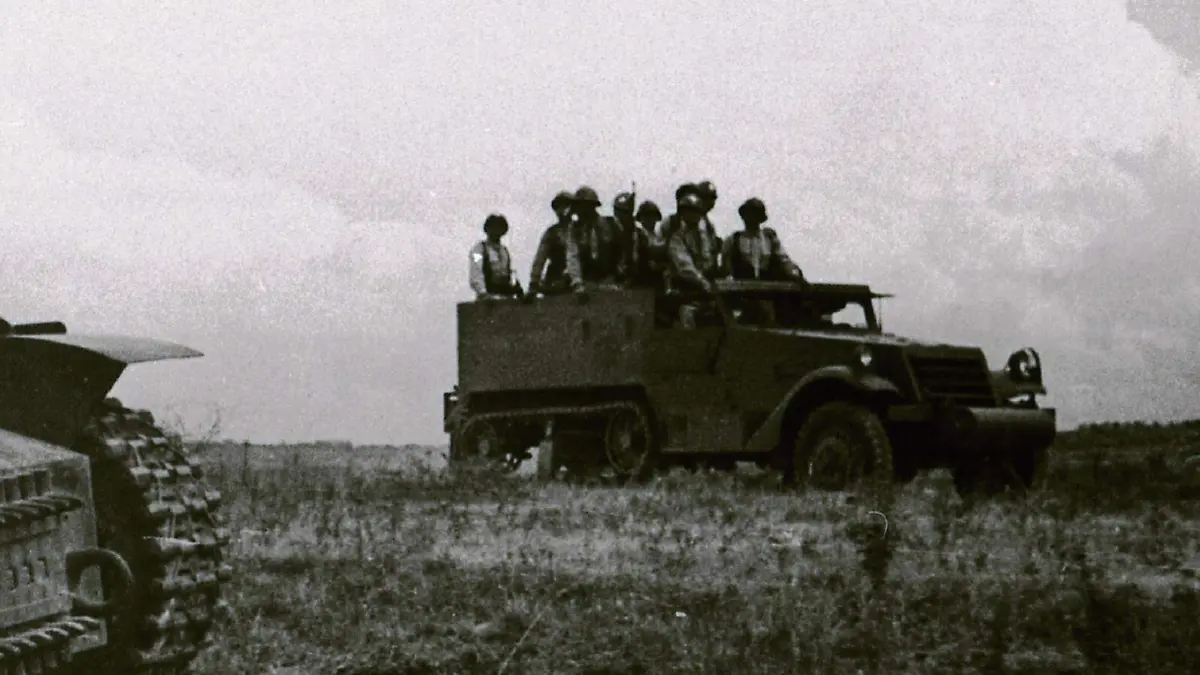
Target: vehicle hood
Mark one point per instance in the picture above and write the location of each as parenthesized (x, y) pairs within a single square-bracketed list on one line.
[(873, 339)]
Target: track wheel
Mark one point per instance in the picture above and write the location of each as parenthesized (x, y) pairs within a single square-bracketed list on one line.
[(842, 444), (480, 441), (153, 508), (629, 444)]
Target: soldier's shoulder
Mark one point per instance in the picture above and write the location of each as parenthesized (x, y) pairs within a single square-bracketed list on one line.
[(675, 235), (478, 252)]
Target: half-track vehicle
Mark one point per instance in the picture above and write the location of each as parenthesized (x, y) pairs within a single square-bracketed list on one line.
[(801, 378), (110, 542)]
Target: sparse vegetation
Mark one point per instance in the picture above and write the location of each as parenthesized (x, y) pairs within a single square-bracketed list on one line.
[(369, 562)]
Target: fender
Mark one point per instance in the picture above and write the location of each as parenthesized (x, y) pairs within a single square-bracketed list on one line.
[(123, 349), (50, 384), (766, 438)]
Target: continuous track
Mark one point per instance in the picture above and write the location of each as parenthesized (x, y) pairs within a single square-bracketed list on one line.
[(154, 509)]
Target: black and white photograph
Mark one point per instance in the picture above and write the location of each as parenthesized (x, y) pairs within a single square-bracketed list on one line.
[(520, 338)]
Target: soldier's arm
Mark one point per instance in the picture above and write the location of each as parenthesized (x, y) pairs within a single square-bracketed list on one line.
[(478, 284), (790, 269), (539, 261), (682, 264), (514, 283)]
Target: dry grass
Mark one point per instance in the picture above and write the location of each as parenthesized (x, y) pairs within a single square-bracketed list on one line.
[(366, 562)]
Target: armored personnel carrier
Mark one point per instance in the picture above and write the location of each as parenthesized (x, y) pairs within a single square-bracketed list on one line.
[(801, 378), (110, 543)]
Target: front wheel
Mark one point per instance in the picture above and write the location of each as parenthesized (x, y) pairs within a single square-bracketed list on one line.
[(842, 444), (481, 442)]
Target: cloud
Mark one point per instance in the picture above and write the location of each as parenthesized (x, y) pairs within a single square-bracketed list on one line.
[(293, 188)]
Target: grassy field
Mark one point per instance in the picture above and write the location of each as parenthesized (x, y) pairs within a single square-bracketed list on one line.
[(374, 561)]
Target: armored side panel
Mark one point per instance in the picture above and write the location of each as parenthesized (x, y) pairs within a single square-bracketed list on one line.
[(46, 512), (558, 342)]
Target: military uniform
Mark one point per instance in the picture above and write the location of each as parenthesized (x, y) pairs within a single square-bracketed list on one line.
[(671, 223), (756, 252), (637, 246), (549, 272), (692, 257), (687, 193), (491, 264), (594, 248)]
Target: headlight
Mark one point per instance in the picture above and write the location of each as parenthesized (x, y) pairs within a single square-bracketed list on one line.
[(864, 356), (1024, 366)]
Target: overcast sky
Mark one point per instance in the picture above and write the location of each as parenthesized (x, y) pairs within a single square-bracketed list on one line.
[(292, 188)]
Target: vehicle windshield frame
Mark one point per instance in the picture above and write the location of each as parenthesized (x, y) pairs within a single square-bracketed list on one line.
[(823, 298)]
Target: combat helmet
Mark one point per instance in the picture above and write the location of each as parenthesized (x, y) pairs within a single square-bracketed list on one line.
[(623, 202), (586, 195), (690, 202), (686, 188), (563, 198), (648, 211), (753, 209), (497, 221)]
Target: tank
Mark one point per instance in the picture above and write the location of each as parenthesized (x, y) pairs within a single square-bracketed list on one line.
[(798, 377), (112, 543)]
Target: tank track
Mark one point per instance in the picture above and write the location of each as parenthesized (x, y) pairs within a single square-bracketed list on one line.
[(586, 410), (45, 649), (153, 508)]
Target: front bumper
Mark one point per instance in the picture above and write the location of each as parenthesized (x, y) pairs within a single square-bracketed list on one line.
[(983, 429)]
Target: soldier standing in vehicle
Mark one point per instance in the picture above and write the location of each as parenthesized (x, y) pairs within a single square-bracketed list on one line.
[(755, 252), (593, 245), (491, 264), (708, 194), (692, 257), (552, 250), (672, 222), (636, 244), (648, 216)]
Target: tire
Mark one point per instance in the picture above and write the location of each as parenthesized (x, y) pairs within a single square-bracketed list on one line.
[(479, 440), (847, 434), (147, 491)]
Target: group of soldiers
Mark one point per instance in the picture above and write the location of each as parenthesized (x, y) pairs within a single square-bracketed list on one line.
[(634, 247)]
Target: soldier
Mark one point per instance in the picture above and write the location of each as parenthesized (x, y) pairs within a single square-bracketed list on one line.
[(648, 216), (708, 193), (637, 245), (755, 252), (692, 256), (672, 222), (491, 265), (593, 244), (552, 250)]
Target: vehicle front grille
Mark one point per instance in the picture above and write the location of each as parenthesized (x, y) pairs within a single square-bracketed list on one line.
[(961, 380)]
